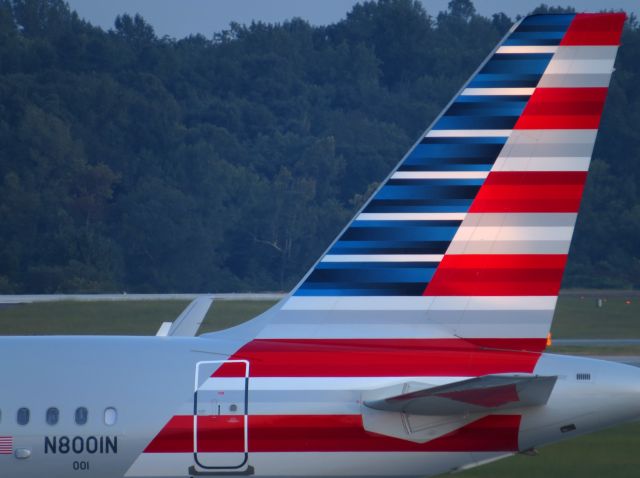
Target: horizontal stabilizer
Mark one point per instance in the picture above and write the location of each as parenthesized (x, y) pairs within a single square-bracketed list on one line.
[(189, 321), (488, 393), (164, 329)]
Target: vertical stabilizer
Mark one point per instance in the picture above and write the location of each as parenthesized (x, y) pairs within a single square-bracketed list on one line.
[(469, 235)]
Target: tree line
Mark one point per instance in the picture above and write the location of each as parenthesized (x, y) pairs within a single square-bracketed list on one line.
[(135, 162)]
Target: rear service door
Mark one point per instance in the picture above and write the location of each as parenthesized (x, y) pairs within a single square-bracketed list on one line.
[(220, 440)]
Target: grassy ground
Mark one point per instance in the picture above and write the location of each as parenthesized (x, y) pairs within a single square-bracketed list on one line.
[(576, 317), (610, 453), (116, 318)]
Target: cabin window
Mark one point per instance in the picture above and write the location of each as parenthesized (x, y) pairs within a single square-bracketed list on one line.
[(110, 416), (82, 415), (23, 416), (53, 415)]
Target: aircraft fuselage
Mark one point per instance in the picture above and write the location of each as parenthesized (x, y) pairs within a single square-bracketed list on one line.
[(287, 426)]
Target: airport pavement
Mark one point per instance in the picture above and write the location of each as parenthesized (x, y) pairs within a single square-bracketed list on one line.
[(28, 299), (596, 342), (626, 359)]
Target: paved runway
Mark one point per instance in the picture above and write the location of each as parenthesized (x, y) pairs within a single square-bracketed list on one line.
[(596, 342), (628, 359), (27, 299)]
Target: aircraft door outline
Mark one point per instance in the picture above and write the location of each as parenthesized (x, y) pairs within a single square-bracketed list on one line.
[(219, 401)]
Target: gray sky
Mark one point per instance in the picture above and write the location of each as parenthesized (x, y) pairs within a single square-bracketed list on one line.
[(179, 18)]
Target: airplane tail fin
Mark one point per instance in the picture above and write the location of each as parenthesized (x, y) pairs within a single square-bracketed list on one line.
[(469, 235)]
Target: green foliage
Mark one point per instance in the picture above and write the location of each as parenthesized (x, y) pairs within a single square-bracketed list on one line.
[(132, 162), (544, 8)]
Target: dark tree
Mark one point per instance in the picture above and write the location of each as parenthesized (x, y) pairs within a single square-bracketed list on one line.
[(132, 162)]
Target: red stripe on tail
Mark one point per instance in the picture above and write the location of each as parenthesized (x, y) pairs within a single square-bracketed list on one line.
[(497, 274), (563, 108), (594, 29), (530, 192)]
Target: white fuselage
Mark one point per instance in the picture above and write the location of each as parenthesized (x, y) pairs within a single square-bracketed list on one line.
[(150, 381)]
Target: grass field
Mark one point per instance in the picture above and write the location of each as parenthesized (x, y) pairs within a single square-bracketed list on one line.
[(610, 453), (606, 454), (575, 318), (116, 318)]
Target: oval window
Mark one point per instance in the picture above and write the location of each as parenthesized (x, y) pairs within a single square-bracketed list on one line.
[(23, 416), (82, 415), (110, 416), (53, 415)]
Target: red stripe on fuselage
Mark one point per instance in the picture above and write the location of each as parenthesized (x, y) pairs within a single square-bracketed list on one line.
[(389, 357), (498, 274), (221, 433), (534, 191), (334, 433), (175, 437), (563, 108), (232, 369), (594, 29)]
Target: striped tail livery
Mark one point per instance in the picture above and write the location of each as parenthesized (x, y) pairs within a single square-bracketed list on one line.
[(416, 344)]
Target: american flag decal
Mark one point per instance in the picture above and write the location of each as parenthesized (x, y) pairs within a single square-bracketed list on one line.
[(6, 445)]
